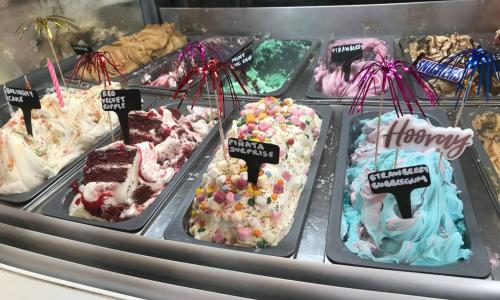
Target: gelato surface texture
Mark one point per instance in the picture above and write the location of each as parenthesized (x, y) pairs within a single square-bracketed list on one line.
[(227, 208), (329, 76), (131, 52), (60, 135), (121, 181), (371, 225), (273, 63)]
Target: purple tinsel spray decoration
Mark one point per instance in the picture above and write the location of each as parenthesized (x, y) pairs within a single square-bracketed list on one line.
[(209, 70), (393, 78), (393, 71)]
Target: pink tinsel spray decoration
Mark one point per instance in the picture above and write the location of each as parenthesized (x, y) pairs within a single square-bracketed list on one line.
[(55, 82)]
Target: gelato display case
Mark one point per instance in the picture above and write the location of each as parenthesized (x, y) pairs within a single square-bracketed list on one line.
[(288, 152)]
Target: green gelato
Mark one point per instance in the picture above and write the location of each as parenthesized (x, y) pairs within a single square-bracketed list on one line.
[(273, 63)]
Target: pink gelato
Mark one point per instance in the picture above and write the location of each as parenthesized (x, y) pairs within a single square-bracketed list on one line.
[(329, 76), (167, 80)]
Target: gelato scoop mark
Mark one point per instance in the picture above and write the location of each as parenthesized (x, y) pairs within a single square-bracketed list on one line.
[(372, 227), (330, 74)]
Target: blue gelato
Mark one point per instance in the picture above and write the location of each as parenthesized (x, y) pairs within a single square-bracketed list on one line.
[(371, 225)]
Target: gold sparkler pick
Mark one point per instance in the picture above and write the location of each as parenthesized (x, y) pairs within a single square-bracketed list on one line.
[(41, 24)]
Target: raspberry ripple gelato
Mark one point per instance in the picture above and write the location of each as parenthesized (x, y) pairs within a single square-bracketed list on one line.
[(167, 80), (120, 181), (229, 210), (371, 225), (329, 76)]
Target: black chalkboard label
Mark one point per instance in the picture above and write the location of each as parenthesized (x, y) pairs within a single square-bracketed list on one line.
[(82, 49), (254, 154), (400, 182), (26, 100), (345, 55), (121, 102), (242, 60)]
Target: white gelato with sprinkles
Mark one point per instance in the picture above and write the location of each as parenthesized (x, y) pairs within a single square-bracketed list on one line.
[(227, 208)]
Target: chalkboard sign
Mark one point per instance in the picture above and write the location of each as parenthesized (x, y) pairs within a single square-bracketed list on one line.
[(242, 60), (82, 49), (121, 102), (346, 54), (26, 100), (441, 71), (400, 182), (254, 154)]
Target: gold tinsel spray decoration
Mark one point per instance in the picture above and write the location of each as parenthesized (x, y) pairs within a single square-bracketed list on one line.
[(42, 24)]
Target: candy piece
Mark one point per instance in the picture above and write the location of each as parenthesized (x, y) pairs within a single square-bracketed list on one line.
[(219, 237), (286, 175), (219, 197), (200, 197), (278, 189), (230, 197), (275, 216), (250, 119), (244, 233), (241, 184), (263, 126)]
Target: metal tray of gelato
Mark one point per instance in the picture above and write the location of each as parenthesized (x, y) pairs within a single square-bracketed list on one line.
[(275, 65), (330, 80), (178, 228), (444, 89), (163, 74), (58, 204), (486, 125), (146, 44), (43, 188), (458, 230)]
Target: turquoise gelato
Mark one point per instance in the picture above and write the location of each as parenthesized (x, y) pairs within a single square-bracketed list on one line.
[(273, 63), (371, 225)]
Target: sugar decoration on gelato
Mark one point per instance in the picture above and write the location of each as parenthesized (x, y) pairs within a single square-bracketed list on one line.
[(227, 208)]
